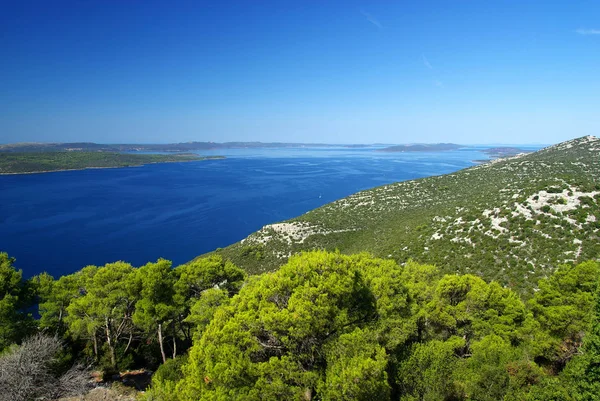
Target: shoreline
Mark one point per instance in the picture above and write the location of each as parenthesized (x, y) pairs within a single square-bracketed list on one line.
[(111, 167)]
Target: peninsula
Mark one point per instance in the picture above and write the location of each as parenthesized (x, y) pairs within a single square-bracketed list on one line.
[(43, 162)]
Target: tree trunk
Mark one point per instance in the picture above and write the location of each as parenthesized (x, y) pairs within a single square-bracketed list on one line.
[(160, 342), (96, 346), (128, 343), (174, 346), (111, 346), (113, 359), (59, 326)]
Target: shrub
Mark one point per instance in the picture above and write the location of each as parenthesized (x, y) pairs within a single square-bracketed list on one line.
[(29, 372), (165, 379)]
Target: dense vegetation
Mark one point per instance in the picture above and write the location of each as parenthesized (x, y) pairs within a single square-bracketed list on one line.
[(326, 326), (30, 162), (511, 220)]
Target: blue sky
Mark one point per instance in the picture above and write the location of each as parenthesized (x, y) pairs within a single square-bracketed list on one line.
[(300, 71)]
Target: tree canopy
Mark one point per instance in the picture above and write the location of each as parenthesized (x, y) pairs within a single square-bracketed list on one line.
[(330, 326), (15, 295)]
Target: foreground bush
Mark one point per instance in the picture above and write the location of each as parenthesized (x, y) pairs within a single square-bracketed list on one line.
[(31, 371), (165, 379)]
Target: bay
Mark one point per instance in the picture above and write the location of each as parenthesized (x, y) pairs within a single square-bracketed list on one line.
[(60, 222)]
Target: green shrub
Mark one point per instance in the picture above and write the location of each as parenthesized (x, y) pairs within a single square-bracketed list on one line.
[(165, 379)]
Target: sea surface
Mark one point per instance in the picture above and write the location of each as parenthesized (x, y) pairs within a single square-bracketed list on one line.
[(60, 222)]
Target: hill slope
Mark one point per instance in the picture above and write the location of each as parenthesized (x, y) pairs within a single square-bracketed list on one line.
[(512, 220)]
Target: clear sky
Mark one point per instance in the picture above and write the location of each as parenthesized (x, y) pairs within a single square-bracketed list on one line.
[(486, 71)]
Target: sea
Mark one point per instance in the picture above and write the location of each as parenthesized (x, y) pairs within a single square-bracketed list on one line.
[(62, 221)]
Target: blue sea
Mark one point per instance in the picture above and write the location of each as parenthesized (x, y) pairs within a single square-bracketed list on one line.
[(60, 222)]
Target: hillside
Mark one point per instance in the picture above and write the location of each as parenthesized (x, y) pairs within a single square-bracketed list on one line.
[(511, 220)]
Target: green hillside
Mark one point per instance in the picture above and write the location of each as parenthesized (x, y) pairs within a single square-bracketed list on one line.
[(512, 220)]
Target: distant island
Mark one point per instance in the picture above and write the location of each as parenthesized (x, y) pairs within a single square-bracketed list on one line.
[(42, 162), (500, 153), (433, 147), (504, 151)]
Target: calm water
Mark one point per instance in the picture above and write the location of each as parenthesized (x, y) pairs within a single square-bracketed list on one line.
[(60, 222)]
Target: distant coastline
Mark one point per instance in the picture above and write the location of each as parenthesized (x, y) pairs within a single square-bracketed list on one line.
[(35, 147), (36, 158)]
